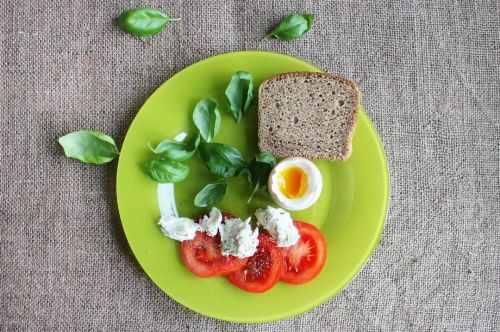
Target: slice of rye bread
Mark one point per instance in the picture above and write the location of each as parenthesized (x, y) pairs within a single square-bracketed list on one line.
[(307, 114)]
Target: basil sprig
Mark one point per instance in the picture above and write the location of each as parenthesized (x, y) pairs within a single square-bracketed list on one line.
[(207, 118), (91, 147), (258, 171), (266, 157), (166, 171), (144, 22), (292, 27), (179, 151), (221, 159), (211, 194), (239, 94)]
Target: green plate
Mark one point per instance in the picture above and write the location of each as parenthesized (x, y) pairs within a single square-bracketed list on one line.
[(351, 211)]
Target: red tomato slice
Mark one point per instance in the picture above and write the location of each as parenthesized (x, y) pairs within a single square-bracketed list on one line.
[(263, 270), (202, 255), (306, 258)]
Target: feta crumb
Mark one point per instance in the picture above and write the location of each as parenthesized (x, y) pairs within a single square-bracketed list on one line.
[(210, 223), (237, 238), (279, 224), (179, 229)]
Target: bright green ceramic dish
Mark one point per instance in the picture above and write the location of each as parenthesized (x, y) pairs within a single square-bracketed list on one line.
[(351, 211)]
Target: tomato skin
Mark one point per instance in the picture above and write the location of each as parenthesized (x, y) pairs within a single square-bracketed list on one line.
[(203, 257), (225, 215), (305, 259), (263, 270)]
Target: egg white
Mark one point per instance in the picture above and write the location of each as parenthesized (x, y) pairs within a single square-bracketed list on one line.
[(313, 190)]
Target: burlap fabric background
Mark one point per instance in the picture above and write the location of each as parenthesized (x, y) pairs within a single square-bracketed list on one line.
[(429, 73)]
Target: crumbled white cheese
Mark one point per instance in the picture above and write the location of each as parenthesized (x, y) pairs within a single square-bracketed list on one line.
[(179, 229), (237, 238), (279, 224), (210, 223)]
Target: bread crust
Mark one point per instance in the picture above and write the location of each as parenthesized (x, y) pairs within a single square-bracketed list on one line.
[(263, 144)]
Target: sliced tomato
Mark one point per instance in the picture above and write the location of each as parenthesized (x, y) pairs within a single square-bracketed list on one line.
[(203, 257), (226, 215), (306, 258), (263, 270)]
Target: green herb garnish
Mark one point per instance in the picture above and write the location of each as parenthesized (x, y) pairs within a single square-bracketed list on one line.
[(258, 171), (221, 159), (292, 27), (211, 194), (144, 22), (179, 151), (92, 147), (239, 94), (166, 171), (266, 157), (207, 119)]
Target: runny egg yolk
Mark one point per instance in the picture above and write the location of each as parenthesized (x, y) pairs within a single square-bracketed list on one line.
[(292, 182)]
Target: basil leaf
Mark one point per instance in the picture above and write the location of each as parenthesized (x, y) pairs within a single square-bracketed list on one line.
[(239, 94), (211, 194), (144, 21), (266, 157), (180, 151), (292, 27), (258, 171), (221, 159), (207, 119), (166, 171), (92, 147)]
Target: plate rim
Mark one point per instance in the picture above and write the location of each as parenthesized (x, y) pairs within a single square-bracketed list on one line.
[(322, 299)]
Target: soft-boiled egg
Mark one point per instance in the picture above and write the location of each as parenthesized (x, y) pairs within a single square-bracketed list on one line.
[(295, 183)]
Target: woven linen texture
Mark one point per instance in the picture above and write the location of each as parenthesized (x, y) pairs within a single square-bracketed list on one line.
[(430, 79)]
